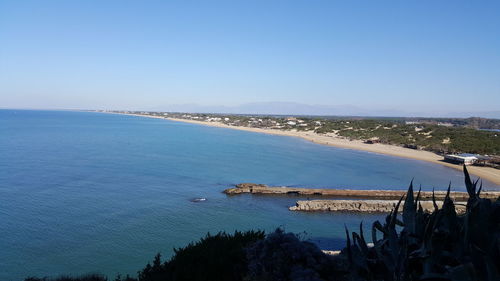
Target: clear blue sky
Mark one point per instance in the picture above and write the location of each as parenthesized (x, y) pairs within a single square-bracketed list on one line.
[(140, 54)]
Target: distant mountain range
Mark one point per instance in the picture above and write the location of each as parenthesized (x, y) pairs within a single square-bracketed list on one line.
[(290, 108)]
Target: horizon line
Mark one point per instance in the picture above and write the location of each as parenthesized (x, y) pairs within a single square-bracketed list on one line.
[(255, 114)]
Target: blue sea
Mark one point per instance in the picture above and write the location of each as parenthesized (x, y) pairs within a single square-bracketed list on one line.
[(84, 192)]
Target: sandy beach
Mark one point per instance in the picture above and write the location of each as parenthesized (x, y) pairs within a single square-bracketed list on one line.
[(486, 173)]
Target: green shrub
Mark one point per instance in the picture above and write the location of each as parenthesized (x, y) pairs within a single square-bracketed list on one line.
[(215, 257), (283, 256)]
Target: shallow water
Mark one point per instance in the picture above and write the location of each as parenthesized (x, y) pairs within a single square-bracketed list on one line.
[(90, 192)]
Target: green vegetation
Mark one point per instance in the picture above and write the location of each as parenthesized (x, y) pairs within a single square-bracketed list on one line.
[(436, 138), (283, 256), (414, 246), (219, 257), (472, 122)]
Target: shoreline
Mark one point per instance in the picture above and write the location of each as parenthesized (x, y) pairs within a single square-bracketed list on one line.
[(487, 173)]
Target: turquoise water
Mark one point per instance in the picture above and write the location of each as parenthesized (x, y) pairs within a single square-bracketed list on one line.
[(90, 192)]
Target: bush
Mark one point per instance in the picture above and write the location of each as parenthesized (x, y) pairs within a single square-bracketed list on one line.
[(283, 256), (219, 257)]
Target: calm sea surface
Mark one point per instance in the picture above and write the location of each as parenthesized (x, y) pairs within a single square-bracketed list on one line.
[(90, 192)]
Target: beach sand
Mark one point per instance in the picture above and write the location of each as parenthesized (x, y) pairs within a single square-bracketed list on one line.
[(486, 173)]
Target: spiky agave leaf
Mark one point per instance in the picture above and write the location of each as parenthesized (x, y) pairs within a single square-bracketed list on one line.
[(448, 203), (434, 201), (376, 225), (471, 187), (419, 221), (394, 214), (359, 254), (409, 209), (418, 194), (348, 243), (355, 240), (390, 260), (362, 242), (401, 260)]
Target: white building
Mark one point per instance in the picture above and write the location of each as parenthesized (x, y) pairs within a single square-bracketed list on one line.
[(465, 158)]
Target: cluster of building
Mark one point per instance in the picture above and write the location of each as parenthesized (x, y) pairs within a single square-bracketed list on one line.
[(468, 159), (444, 124), (257, 122), (204, 118)]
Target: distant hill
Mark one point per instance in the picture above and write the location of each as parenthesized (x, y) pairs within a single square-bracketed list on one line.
[(291, 108)]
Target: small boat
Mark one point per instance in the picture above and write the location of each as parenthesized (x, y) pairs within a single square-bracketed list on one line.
[(198, 199)]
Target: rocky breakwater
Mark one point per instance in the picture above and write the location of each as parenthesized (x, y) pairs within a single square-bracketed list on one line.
[(364, 206)]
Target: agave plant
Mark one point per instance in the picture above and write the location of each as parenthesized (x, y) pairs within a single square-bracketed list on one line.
[(437, 246)]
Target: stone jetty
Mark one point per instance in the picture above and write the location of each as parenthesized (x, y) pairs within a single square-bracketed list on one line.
[(349, 193)]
